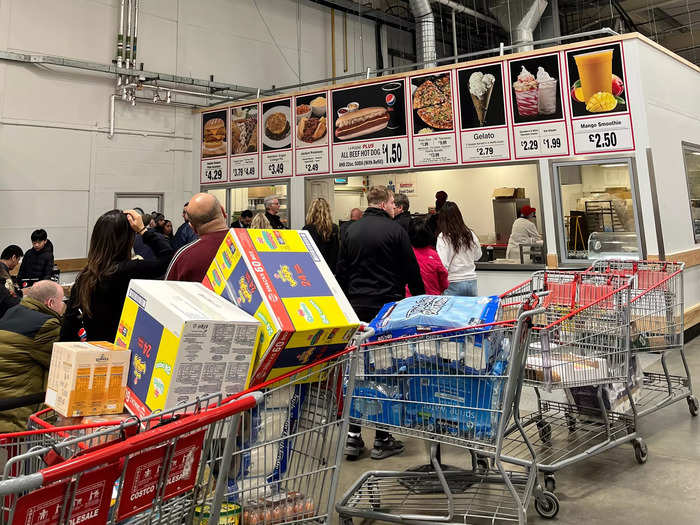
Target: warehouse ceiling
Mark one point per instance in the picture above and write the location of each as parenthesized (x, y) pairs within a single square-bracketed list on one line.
[(675, 24)]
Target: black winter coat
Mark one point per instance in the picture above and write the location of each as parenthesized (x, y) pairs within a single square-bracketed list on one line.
[(108, 297), (329, 248), (37, 264), (376, 262), (404, 219)]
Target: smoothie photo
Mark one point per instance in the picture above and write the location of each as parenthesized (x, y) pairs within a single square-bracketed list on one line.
[(596, 80), (595, 72)]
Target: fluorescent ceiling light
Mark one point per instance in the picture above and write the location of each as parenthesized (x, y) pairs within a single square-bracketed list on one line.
[(618, 165), (696, 153)]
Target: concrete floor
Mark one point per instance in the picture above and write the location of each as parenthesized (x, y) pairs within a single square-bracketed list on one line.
[(610, 488)]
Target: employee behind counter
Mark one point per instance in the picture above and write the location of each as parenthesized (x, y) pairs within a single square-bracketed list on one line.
[(524, 232)]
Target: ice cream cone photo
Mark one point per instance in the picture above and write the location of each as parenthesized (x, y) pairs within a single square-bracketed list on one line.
[(480, 89)]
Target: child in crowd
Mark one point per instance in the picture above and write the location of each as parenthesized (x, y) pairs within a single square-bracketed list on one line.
[(432, 270)]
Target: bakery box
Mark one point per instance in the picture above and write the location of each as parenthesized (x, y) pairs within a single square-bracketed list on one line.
[(185, 341), (280, 277), (87, 378)]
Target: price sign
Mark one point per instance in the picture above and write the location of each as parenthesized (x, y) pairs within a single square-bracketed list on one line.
[(277, 164), (540, 140), (377, 154), (433, 150), (312, 161), (213, 171), (244, 167), (609, 133), (483, 146)]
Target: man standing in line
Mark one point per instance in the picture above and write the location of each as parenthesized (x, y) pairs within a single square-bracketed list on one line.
[(37, 262), (208, 220), (401, 213), (375, 264), (27, 334), (184, 234), (244, 220), (355, 215), (272, 211)]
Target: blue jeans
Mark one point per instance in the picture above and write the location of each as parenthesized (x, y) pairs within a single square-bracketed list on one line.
[(463, 288)]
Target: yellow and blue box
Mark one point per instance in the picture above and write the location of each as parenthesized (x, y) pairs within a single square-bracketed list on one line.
[(186, 342), (280, 277)]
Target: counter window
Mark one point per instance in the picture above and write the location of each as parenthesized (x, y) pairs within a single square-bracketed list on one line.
[(235, 199), (691, 156), (597, 212)]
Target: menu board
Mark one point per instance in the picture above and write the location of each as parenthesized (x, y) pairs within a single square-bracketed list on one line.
[(369, 129), (213, 168), (600, 113), (482, 110), (311, 134), (540, 105), (277, 159), (244, 161), (432, 116), (539, 127)]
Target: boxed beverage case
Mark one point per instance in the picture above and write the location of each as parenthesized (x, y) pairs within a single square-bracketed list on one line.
[(280, 277), (87, 378), (185, 342)]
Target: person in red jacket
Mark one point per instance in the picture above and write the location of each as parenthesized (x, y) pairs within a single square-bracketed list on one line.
[(432, 270)]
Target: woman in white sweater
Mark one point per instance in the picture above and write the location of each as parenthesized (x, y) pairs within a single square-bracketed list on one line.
[(459, 249)]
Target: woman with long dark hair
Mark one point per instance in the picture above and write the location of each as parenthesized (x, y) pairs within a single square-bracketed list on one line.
[(459, 249), (97, 298), (324, 233)]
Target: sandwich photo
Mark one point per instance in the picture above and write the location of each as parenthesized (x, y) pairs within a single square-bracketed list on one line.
[(244, 129), (311, 129), (361, 122), (214, 138)]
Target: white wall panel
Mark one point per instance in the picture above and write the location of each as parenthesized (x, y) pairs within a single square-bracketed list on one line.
[(76, 28), (33, 158), (156, 46)]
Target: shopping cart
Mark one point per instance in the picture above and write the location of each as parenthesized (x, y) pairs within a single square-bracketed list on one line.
[(580, 352), (458, 387), (260, 455), (656, 328)]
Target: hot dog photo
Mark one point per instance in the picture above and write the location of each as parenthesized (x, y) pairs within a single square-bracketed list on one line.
[(369, 112)]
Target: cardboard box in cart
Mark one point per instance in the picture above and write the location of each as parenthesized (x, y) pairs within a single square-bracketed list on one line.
[(87, 378), (185, 342), (280, 277)]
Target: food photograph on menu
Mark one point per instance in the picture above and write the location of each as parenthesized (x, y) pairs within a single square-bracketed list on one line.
[(431, 102), (596, 78), (244, 129), (311, 127), (214, 134), (481, 97), (369, 112), (535, 89), (277, 125)]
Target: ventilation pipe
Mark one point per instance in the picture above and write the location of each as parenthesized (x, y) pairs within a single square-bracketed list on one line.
[(425, 32), (520, 18)]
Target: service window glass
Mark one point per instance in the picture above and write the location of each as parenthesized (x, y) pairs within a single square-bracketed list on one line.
[(597, 211), (691, 156)]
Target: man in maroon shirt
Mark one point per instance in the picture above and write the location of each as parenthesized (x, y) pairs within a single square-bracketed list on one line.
[(208, 219)]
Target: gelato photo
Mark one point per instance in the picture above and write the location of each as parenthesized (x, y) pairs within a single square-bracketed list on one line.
[(536, 90), (596, 81), (481, 97)]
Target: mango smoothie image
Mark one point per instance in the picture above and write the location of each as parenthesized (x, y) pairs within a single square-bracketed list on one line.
[(595, 72)]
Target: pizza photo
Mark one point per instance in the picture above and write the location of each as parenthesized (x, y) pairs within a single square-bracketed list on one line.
[(432, 104)]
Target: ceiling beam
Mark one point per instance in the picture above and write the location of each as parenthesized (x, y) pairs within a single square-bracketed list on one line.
[(353, 8)]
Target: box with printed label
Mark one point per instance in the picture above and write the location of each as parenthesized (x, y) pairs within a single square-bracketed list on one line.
[(280, 277), (87, 378), (186, 342)]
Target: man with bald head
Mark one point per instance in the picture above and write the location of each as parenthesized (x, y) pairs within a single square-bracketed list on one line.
[(208, 220), (27, 334)]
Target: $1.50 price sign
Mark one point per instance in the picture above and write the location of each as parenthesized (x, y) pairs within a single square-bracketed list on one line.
[(601, 134), (540, 140), (277, 164), (377, 154)]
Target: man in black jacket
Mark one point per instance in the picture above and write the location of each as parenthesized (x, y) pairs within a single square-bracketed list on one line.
[(37, 262), (272, 212), (375, 264), (10, 293), (401, 213)]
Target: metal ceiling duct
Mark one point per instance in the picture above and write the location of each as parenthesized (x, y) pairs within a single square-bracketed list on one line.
[(520, 18), (425, 32)]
